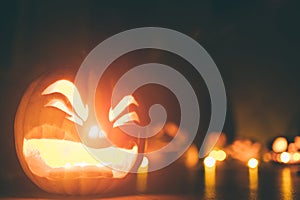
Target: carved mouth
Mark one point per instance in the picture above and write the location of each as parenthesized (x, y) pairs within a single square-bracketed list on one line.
[(54, 157)]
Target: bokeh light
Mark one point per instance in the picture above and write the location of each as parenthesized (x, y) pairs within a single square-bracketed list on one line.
[(285, 157), (280, 144), (209, 161), (252, 163)]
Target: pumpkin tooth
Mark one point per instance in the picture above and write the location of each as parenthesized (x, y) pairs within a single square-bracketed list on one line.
[(36, 132)]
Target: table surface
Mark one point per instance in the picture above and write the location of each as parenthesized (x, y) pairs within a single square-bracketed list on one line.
[(232, 180)]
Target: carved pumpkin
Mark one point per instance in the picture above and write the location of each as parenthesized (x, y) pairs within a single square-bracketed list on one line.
[(49, 143)]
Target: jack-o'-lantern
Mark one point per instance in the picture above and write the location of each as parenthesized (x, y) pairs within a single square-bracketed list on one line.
[(50, 128)]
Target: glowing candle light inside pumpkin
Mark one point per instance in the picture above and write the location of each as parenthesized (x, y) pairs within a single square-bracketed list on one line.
[(279, 145), (69, 154), (142, 175), (68, 165), (209, 177)]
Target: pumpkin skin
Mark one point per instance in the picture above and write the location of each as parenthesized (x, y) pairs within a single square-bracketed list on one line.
[(34, 121)]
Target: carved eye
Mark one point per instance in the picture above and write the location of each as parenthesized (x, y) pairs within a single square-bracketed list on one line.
[(80, 112), (119, 108)]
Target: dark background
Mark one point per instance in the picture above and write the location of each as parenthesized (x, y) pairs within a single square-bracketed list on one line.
[(255, 45)]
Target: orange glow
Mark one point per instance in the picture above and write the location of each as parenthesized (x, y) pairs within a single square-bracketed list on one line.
[(267, 157), (192, 156), (280, 144), (292, 147), (285, 157), (252, 163), (297, 142)]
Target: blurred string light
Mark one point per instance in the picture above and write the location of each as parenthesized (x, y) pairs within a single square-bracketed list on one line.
[(285, 157), (248, 152), (267, 157), (218, 155), (280, 144), (296, 156), (192, 156), (209, 161), (284, 152), (209, 178), (253, 163)]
